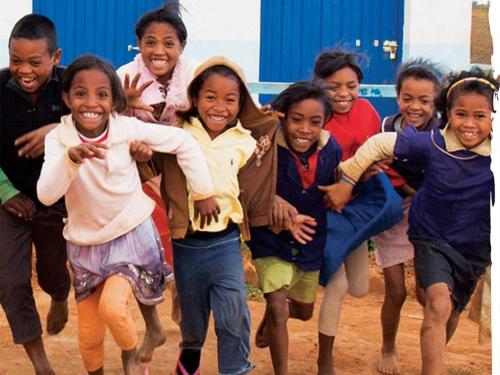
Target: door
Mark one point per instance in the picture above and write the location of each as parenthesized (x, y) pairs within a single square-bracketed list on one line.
[(104, 28), (293, 32)]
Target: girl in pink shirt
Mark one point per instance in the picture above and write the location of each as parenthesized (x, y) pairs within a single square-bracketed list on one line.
[(113, 245)]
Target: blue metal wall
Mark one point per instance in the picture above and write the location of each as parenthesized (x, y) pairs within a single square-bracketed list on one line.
[(293, 32), (102, 27)]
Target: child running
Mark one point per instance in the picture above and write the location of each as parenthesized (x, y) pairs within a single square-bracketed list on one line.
[(31, 105), (354, 120), (237, 140), (449, 218), (288, 269), (113, 245), (156, 84), (417, 85)]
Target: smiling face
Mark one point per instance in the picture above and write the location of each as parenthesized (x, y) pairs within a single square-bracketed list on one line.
[(90, 100), (343, 86), (470, 119), (303, 124), (160, 49), (416, 101), (31, 63), (218, 103)]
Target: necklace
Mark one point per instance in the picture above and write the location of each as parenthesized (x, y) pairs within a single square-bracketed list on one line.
[(448, 153)]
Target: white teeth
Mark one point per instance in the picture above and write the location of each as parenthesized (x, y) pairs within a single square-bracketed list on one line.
[(469, 134), (91, 114), (302, 140), (218, 118), (159, 62)]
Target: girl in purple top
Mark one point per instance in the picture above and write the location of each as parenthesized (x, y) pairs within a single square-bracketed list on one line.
[(449, 219)]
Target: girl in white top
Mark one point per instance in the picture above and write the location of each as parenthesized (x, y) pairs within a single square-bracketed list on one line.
[(113, 245)]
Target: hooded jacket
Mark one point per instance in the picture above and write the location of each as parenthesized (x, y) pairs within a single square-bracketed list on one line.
[(257, 179)]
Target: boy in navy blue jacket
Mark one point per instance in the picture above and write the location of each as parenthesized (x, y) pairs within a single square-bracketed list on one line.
[(288, 262)]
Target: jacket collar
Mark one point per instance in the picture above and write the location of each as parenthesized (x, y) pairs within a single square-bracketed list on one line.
[(453, 144)]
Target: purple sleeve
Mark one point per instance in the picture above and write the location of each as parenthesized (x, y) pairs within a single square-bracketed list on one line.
[(412, 145)]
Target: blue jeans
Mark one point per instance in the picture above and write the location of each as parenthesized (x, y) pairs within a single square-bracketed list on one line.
[(209, 276)]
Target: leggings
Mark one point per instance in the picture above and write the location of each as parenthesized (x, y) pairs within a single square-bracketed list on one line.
[(107, 306), (352, 277)]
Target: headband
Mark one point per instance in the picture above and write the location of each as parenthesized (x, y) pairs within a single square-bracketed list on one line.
[(468, 79)]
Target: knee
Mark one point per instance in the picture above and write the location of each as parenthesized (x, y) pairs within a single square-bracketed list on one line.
[(113, 313), (359, 290), (395, 295), (337, 286), (277, 312), (304, 312), (438, 308)]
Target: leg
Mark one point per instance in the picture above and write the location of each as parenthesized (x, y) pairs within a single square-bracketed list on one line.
[(329, 318), (277, 314), (451, 325), (16, 295), (53, 275), (357, 270), (300, 310), (228, 301), (419, 291), (113, 309), (437, 311), (155, 335), (37, 356), (395, 295), (192, 281), (91, 331), (176, 311)]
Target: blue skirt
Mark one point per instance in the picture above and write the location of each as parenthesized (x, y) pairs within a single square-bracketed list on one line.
[(136, 255), (375, 208)]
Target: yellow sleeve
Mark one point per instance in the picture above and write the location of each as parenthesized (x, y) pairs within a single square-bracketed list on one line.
[(378, 147)]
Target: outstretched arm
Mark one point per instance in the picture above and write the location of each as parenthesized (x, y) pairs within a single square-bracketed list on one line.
[(379, 147)]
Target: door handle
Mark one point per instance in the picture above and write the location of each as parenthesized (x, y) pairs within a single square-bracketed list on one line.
[(390, 47), (131, 48)]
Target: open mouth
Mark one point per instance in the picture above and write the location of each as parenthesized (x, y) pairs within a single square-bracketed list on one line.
[(302, 140), (91, 115), (27, 82), (159, 63), (219, 119)]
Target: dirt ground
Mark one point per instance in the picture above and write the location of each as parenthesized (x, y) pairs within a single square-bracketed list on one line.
[(357, 345)]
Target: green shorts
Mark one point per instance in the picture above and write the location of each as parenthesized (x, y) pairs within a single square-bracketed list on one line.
[(276, 273)]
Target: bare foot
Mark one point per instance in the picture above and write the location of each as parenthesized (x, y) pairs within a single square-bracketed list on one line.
[(152, 339), (326, 366), (261, 335), (388, 364), (57, 317), (131, 363)]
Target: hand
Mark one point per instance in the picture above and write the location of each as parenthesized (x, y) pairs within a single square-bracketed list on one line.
[(21, 206), (86, 151), (206, 209), (140, 152), (33, 143), (300, 228), (337, 195), (283, 212), (268, 109), (377, 167), (133, 93)]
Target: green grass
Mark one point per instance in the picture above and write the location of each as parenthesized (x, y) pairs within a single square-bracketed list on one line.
[(254, 293), (460, 371)]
